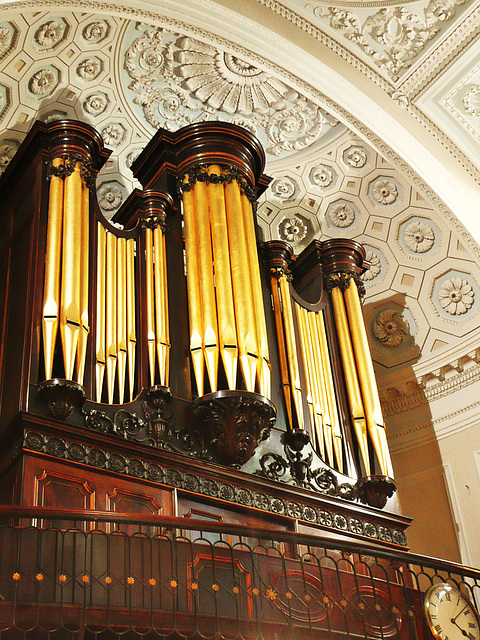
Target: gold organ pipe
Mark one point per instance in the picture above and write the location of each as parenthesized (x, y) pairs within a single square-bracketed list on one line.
[(366, 374), (242, 285), (111, 315), (291, 348), (261, 328), (84, 259), (282, 352), (151, 341), (330, 390), (161, 304), (316, 382), (193, 289), (131, 332), (322, 412), (350, 374), (165, 307), (52, 269), (223, 279), (121, 317), (207, 287), (306, 347), (71, 265), (100, 356)]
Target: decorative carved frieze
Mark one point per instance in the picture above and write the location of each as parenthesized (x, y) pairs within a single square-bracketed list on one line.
[(208, 486)]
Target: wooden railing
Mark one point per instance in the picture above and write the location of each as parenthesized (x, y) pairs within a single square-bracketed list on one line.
[(78, 574)]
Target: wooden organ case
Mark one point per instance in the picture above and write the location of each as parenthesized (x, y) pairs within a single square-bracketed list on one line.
[(172, 364)]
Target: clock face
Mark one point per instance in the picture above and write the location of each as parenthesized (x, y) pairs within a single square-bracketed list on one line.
[(450, 615)]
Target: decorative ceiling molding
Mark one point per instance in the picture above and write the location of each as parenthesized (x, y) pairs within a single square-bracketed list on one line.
[(410, 394), (392, 38), (329, 42), (463, 34), (434, 430)]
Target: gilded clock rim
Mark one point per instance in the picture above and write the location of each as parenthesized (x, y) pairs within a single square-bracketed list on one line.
[(427, 604)]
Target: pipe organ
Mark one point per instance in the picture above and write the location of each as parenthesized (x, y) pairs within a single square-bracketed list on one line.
[(178, 331)]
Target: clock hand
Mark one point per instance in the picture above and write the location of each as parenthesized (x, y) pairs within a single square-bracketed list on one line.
[(453, 619)]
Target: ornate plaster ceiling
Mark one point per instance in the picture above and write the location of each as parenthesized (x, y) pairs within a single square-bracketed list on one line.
[(127, 78)]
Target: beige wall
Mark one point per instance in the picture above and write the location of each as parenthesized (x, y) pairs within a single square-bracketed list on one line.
[(436, 457)]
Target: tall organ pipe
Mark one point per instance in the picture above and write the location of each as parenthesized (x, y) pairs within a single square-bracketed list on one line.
[(366, 375), (193, 289), (111, 314), (291, 348), (53, 256), (330, 390), (131, 327), (264, 372), (121, 317), (161, 305), (351, 377), (223, 279), (84, 284), (71, 265), (100, 351), (206, 279), (242, 285)]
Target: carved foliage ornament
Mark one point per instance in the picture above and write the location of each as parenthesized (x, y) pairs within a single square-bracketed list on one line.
[(355, 157), (456, 296), (274, 466), (95, 32), (6, 37), (234, 423), (109, 196), (86, 170), (292, 229), (342, 215), (419, 237), (227, 82), (295, 128), (374, 269), (283, 188), (113, 134), (95, 104), (184, 81), (322, 176), (392, 36), (49, 34), (89, 69), (471, 101), (199, 173), (385, 192), (342, 280), (7, 151), (43, 82), (390, 328)]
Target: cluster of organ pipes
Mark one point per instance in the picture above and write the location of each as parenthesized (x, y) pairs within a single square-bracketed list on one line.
[(359, 375), (67, 289), (65, 301), (322, 404), (320, 392), (225, 301), (314, 358), (116, 334)]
